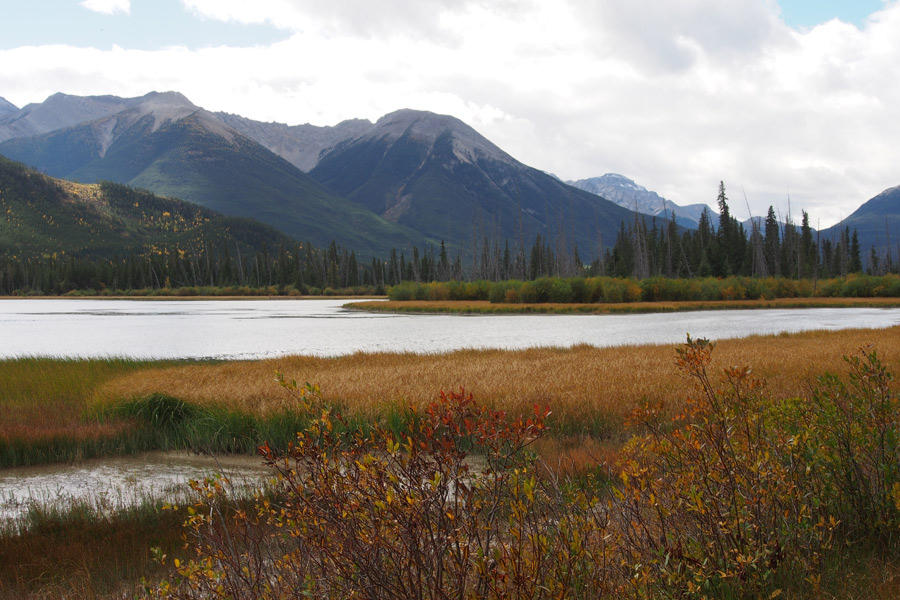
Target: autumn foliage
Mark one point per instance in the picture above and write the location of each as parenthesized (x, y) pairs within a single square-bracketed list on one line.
[(739, 495)]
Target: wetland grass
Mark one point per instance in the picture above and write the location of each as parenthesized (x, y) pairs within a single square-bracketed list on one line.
[(50, 415), (746, 493), (487, 307), (44, 403), (100, 405), (591, 391), (65, 410), (86, 548)]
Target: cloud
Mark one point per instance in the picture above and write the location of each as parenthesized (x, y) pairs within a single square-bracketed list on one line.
[(416, 18), (676, 95), (107, 7)]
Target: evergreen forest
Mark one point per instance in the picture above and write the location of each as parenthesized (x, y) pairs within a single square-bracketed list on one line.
[(253, 260)]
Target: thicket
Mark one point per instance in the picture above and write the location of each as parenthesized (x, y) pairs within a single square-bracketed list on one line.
[(740, 495), (588, 290)]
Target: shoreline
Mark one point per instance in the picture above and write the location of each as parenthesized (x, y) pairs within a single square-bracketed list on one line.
[(193, 298), (474, 307)]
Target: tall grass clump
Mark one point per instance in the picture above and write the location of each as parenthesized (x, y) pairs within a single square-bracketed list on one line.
[(165, 422)]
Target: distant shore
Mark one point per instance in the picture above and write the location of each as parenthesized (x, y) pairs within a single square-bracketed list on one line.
[(485, 307)]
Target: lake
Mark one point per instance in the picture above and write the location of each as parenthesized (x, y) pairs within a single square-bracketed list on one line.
[(251, 329)]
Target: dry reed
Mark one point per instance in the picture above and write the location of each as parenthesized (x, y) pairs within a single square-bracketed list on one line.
[(44, 398), (588, 389)]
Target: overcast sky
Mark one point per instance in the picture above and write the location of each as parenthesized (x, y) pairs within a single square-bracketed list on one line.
[(794, 99)]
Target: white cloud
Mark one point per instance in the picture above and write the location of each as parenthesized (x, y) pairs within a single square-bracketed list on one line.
[(385, 18), (675, 95), (107, 7)]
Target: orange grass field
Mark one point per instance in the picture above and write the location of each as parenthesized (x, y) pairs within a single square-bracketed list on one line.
[(588, 389), (45, 398)]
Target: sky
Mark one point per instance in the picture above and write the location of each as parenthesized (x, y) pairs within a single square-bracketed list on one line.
[(791, 103)]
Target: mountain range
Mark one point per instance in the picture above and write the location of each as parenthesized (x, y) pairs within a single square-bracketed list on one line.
[(412, 178), (165, 144)]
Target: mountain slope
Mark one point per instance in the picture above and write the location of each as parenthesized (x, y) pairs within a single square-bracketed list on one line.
[(40, 215), (626, 193), (60, 111), (412, 178), (877, 222), (171, 147), (435, 174), (7, 108), (300, 145)]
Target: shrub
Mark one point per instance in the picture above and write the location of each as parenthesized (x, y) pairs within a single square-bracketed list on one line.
[(594, 289), (580, 291), (633, 291), (560, 291), (528, 293), (476, 290), (613, 290), (440, 291), (421, 291), (401, 292), (717, 505), (542, 287), (738, 496), (497, 292), (400, 515), (850, 436)]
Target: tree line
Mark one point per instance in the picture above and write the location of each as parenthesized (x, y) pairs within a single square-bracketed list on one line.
[(643, 248), (770, 249)]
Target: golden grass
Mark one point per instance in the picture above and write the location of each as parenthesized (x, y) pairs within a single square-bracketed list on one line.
[(43, 398), (483, 306), (587, 388)]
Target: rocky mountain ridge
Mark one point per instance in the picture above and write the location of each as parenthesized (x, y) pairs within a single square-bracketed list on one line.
[(410, 178), (626, 193)]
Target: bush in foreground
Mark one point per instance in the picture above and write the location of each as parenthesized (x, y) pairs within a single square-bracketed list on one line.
[(739, 496)]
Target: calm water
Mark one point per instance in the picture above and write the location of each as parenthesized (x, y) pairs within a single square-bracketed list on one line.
[(266, 328), (113, 483)]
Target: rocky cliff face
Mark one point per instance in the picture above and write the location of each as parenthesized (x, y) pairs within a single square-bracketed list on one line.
[(625, 192), (300, 145), (57, 112)]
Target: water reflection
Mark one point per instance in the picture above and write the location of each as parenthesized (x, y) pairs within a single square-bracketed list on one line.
[(114, 483)]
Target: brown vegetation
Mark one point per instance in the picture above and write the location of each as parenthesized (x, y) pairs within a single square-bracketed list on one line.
[(742, 494), (590, 392), (485, 306), (588, 389)]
